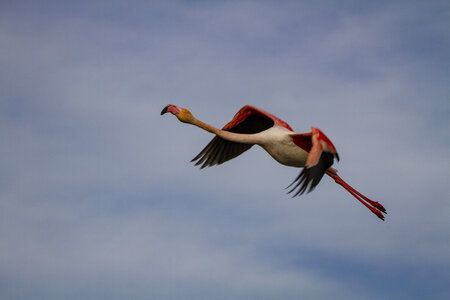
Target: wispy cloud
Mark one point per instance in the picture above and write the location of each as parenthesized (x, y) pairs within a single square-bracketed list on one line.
[(98, 198)]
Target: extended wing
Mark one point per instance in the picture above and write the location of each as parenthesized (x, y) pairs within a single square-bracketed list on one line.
[(321, 156), (248, 120)]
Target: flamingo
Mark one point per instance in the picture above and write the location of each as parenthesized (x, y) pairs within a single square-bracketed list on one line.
[(313, 151)]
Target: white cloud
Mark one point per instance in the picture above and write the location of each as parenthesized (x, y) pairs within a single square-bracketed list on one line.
[(97, 186)]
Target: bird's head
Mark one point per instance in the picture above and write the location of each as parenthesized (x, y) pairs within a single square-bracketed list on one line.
[(182, 114)]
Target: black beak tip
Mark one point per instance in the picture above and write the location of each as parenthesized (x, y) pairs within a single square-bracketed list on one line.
[(164, 110)]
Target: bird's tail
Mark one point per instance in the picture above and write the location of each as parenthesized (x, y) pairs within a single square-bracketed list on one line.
[(374, 206)]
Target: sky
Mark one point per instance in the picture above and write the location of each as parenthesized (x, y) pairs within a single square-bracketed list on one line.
[(98, 199)]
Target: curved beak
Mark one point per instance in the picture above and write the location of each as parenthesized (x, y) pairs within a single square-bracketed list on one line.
[(164, 110)]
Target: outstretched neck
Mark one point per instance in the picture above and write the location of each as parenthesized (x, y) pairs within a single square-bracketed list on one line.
[(227, 135), (205, 126)]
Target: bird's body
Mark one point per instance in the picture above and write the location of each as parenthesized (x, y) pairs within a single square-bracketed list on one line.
[(312, 151), (278, 142)]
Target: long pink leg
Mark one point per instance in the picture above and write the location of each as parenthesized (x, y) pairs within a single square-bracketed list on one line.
[(377, 207), (373, 203)]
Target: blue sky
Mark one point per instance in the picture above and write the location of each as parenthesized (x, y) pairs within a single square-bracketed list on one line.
[(97, 195)]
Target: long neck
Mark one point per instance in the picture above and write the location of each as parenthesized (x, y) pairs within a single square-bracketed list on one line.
[(227, 135), (206, 127)]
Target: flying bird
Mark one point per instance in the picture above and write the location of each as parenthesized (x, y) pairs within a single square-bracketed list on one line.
[(313, 151)]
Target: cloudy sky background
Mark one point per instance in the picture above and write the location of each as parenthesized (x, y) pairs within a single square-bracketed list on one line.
[(98, 199)]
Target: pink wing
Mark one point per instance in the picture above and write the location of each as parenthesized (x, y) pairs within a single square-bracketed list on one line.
[(320, 143), (248, 120), (250, 110), (321, 156)]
